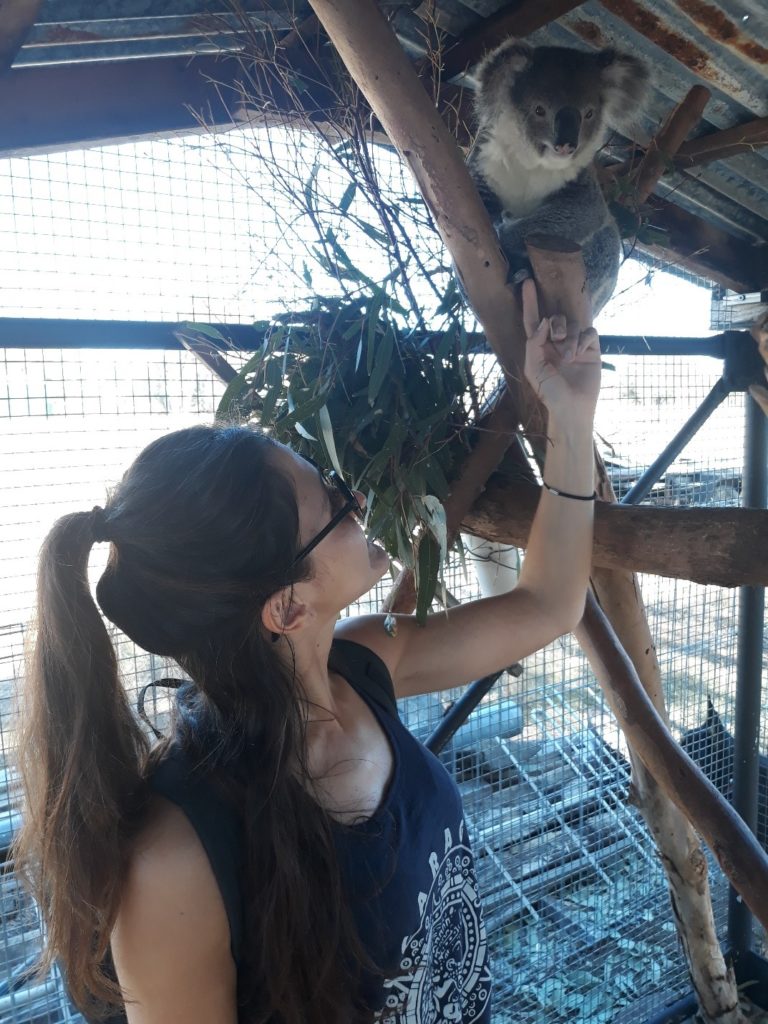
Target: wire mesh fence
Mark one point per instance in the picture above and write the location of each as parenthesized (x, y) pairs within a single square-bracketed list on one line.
[(574, 897)]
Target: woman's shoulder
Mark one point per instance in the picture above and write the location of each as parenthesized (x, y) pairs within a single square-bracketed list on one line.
[(171, 940), (357, 656), (168, 867), (205, 810)]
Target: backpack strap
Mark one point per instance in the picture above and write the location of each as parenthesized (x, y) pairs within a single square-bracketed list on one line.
[(365, 671)]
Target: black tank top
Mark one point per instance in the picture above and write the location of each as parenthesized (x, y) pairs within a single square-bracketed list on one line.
[(408, 871)]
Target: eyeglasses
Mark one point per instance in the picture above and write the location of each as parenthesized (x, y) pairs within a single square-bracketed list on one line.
[(342, 496)]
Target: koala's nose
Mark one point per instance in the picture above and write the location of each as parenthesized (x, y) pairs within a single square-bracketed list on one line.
[(567, 127)]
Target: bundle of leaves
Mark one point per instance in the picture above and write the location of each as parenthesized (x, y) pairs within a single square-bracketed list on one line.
[(389, 408)]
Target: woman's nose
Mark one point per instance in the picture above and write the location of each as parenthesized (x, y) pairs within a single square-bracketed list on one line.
[(361, 499)]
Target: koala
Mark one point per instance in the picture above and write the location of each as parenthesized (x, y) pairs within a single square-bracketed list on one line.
[(543, 113)]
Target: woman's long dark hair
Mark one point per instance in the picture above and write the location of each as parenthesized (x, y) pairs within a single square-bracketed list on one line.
[(204, 528)]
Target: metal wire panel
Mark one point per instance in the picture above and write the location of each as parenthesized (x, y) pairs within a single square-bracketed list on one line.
[(574, 898)]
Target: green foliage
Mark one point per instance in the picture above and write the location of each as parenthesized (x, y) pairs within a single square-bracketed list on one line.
[(358, 382), (343, 384)]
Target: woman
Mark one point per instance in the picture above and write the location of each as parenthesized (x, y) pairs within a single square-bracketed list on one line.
[(293, 854)]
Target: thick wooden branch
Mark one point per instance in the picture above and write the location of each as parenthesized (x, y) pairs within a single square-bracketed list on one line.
[(722, 547), (742, 138), (525, 18), (16, 19), (704, 150), (660, 153), (737, 850), (208, 353), (759, 332), (615, 604)]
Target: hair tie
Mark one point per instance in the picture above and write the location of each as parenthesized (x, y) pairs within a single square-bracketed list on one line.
[(565, 494), (99, 528)]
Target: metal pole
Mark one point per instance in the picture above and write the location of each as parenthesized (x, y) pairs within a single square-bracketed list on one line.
[(46, 332), (642, 487), (748, 672), (459, 712)]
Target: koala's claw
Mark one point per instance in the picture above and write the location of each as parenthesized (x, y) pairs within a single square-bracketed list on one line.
[(517, 277)]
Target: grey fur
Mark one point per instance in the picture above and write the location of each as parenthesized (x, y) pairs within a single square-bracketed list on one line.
[(534, 105)]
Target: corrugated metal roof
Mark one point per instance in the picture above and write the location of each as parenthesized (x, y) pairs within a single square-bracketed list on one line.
[(67, 31), (722, 44)]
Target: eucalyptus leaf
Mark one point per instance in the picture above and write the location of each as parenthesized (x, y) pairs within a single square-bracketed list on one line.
[(434, 476), (404, 547), (269, 404), (428, 567), (230, 403), (349, 194), (372, 318), (381, 364), (300, 429), (303, 411), (373, 233), (207, 330), (326, 432)]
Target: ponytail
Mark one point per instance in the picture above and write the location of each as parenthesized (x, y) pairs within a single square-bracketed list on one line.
[(81, 755)]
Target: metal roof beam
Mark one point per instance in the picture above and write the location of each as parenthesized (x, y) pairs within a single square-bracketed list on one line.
[(74, 106), (707, 250)]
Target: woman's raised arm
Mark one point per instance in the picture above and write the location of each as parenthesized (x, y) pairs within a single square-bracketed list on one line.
[(484, 636)]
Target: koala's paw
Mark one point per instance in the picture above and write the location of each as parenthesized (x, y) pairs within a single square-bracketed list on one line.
[(518, 276), (519, 269)]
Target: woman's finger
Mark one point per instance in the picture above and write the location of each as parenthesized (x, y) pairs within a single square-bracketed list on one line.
[(531, 318), (558, 327)]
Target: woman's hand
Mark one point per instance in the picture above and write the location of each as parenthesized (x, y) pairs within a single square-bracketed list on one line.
[(562, 366)]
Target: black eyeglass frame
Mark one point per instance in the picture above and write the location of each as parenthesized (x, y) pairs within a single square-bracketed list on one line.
[(351, 504)]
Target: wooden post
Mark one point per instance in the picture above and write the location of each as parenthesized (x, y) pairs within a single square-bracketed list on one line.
[(759, 332), (720, 547), (661, 152)]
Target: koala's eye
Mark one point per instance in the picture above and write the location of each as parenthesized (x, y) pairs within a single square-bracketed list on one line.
[(589, 114), (539, 111)]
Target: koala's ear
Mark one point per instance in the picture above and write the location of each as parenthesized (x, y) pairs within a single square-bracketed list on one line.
[(512, 57), (625, 83)]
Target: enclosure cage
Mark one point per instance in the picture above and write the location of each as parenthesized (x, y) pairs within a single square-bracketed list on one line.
[(105, 249)]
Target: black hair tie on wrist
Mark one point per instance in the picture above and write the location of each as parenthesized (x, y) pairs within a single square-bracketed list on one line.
[(99, 527), (573, 497)]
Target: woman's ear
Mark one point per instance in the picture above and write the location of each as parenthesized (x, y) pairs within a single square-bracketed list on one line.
[(283, 613)]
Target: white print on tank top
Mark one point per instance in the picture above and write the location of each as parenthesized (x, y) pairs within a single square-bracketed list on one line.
[(445, 975)]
